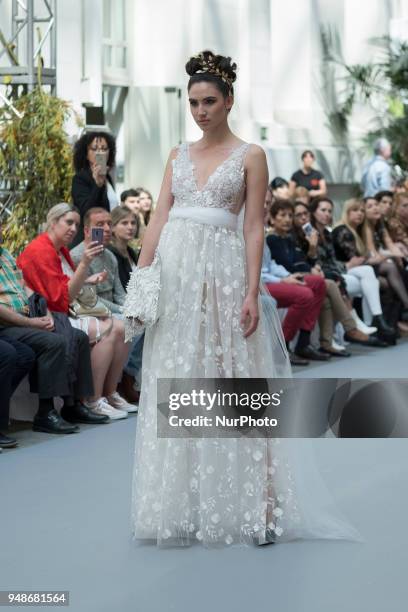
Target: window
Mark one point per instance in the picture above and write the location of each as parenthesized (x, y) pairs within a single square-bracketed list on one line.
[(114, 35)]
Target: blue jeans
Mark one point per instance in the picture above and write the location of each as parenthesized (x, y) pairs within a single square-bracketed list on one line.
[(134, 364)]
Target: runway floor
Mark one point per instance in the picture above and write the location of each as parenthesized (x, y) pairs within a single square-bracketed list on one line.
[(65, 525)]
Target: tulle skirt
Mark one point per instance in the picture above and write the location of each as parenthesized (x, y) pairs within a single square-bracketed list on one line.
[(218, 491)]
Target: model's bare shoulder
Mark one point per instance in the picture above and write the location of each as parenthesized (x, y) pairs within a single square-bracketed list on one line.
[(255, 152)]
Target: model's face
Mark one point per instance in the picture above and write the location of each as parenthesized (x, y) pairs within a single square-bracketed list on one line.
[(104, 220), (145, 202), (402, 210), (283, 221), (66, 227), (301, 216), (308, 161), (372, 210), (98, 145), (126, 228), (208, 106), (324, 213), (132, 202), (356, 216)]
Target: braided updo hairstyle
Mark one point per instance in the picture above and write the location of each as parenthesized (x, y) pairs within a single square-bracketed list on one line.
[(211, 68)]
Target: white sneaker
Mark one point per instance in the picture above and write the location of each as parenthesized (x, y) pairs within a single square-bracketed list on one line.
[(337, 347), (119, 403), (102, 407), (361, 326)]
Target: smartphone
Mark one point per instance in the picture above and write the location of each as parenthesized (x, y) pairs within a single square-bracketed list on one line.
[(101, 160), (97, 234), (307, 228)]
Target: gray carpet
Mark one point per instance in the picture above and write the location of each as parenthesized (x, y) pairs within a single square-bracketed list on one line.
[(65, 525)]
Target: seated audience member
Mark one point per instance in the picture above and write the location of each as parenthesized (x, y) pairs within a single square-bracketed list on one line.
[(110, 290), (384, 255), (124, 225), (16, 361), (334, 307), (377, 174), (92, 184), (358, 278), (130, 199), (301, 194), (279, 188), (289, 292), (308, 177), (385, 198), (398, 222), (48, 269), (304, 293), (34, 339), (268, 225)]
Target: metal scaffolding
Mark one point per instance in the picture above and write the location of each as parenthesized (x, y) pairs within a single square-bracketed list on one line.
[(27, 58), (20, 48)]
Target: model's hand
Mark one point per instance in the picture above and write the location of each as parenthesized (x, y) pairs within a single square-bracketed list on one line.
[(249, 315), (91, 251)]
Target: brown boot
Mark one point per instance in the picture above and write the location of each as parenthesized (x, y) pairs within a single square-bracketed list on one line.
[(126, 389)]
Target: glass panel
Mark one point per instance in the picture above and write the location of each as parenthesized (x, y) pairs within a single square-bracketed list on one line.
[(120, 57), (118, 21), (107, 18), (107, 55)]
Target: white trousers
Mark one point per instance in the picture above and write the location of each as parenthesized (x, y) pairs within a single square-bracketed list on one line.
[(361, 281)]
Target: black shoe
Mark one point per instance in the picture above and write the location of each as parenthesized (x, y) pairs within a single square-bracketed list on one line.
[(53, 423), (82, 414), (376, 341), (297, 361), (334, 352), (7, 442), (310, 353), (382, 326)]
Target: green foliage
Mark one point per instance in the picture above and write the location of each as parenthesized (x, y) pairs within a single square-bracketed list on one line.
[(35, 162), (381, 85)]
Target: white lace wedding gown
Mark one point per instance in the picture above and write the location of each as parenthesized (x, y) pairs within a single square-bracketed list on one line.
[(217, 491)]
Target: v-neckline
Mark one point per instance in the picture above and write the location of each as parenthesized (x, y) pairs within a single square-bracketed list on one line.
[(194, 167)]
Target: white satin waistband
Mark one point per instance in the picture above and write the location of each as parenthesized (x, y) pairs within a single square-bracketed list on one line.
[(209, 216)]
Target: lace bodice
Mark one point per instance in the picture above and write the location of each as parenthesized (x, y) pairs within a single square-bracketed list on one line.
[(225, 188)]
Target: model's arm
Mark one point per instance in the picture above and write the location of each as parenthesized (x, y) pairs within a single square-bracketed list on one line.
[(256, 185), (160, 216)]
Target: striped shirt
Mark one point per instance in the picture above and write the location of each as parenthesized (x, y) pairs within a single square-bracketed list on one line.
[(12, 292)]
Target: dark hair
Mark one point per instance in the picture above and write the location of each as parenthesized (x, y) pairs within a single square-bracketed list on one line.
[(308, 152), (279, 205), (277, 182), (314, 204), (129, 193), (300, 203), (211, 68), (381, 194), (81, 149), (365, 200)]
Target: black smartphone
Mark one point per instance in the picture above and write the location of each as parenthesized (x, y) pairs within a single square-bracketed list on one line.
[(97, 234)]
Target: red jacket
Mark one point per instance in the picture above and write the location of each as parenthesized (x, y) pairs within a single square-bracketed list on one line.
[(42, 271)]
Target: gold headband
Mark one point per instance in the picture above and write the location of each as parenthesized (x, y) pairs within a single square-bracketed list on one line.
[(208, 66)]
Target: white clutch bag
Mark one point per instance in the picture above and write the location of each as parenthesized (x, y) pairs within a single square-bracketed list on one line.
[(142, 299)]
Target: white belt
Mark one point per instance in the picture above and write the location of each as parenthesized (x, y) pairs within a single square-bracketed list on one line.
[(207, 215)]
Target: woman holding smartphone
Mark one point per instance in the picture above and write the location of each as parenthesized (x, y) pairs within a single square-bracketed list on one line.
[(92, 184)]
